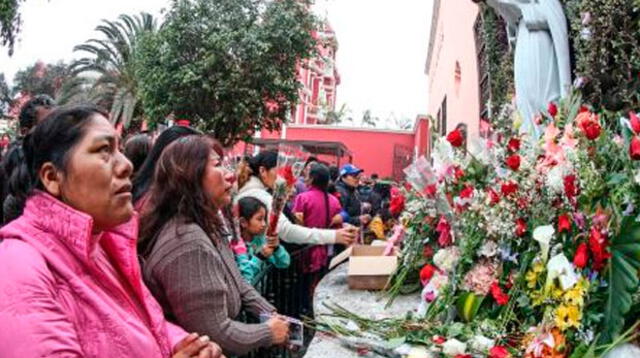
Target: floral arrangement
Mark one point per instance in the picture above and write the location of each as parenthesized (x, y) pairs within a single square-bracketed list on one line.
[(523, 247)]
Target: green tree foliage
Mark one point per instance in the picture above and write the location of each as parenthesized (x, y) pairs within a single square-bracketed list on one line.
[(227, 65), (10, 23), (606, 34), (5, 95), (56, 80), (112, 59)]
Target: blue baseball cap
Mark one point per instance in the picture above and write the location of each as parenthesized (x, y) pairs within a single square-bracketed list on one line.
[(350, 169)]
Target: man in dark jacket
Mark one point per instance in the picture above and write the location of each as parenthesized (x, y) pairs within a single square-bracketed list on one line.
[(347, 187)]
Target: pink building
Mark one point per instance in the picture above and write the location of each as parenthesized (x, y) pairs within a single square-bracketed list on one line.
[(381, 151), (385, 152), (452, 67), (319, 78)]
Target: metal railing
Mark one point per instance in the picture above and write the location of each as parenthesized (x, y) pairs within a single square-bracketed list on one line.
[(290, 290)]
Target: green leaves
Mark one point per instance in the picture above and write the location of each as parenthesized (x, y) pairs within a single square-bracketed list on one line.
[(622, 277), (227, 65), (468, 305)]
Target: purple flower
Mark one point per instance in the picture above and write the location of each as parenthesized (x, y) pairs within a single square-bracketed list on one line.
[(629, 210), (579, 219)]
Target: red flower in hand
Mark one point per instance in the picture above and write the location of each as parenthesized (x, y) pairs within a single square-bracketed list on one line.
[(426, 273), (634, 148), (564, 223), (553, 109), (514, 144), (581, 257), (513, 162), (499, 352), (589, 124), (509, 188), (521, 227), (287, 174), (497, 294), (635, 122), (456, 138)]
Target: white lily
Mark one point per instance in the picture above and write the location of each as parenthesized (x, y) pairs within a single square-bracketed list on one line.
[(454, 347), (559, 267), (543, 235)]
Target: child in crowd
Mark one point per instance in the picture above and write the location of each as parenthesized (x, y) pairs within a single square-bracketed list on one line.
[(256, 249)]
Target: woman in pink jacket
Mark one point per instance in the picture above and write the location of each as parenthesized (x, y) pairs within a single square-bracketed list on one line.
[(71, 284)]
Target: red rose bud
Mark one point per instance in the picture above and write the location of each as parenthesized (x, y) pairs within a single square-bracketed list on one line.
[(635, 122), (514, 144), (427, 273), (509, 188), (467, 192), (427, 252), (521, 227), (553, 109), (438, 339), (455, 138), (564, 223), (570, 188), (589, 124), (499, 352), (598, 246), (513, 162), (458, 173), (582, 255), (634, 148), (583, 109), (494, 198)]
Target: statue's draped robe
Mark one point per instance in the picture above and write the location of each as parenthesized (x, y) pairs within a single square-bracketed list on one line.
[(541, 66)]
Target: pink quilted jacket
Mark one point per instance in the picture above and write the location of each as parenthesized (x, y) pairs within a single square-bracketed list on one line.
[(56, 301)]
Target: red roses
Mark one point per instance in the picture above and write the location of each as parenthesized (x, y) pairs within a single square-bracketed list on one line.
[(456, 138), (427, 273), (589, 123), (513, 162), (581, 257)]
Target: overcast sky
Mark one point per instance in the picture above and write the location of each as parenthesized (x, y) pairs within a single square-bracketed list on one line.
[(383, 45)]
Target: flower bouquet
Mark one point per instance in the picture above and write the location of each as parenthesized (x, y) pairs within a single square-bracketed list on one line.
[(537, 253), (290, 164)]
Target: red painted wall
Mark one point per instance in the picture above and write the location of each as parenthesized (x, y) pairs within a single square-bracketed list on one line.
[(372, 149)]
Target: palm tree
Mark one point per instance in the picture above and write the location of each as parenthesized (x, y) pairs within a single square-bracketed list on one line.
[(112, 59)]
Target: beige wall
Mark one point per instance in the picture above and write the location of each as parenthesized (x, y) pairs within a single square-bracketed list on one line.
[(454, 42)]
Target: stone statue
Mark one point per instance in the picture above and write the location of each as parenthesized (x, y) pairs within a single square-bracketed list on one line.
[(542, 67)]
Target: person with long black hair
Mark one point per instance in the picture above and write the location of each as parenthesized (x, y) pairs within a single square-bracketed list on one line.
[(144, 177)]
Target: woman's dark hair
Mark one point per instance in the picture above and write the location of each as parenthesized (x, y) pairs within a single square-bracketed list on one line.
[(310, 160), (251, 165), (27, 117), (177, 190), (144, 176), (136, 149), (51, 141), (320, 176), (249, 206)]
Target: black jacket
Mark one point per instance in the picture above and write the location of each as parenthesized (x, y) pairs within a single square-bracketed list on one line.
[(351, 204)]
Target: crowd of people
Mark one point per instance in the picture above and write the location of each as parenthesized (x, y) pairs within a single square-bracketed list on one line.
[(121, 249)]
